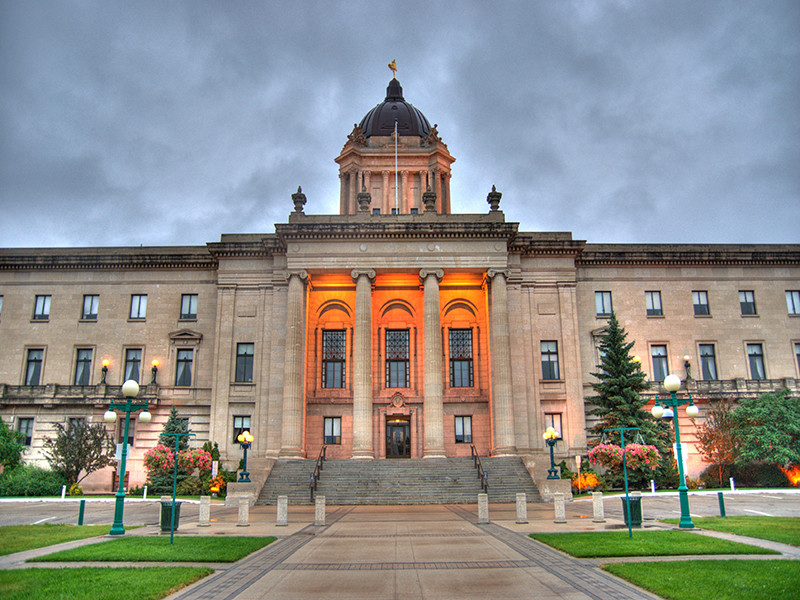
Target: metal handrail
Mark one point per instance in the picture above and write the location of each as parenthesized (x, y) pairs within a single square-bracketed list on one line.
[(483, 475), (315, 474)]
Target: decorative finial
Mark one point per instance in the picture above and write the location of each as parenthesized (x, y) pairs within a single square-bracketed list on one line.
[(493, 199), (299, 199), (393, 67)]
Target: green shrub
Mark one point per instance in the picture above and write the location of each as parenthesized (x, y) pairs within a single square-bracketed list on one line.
[(192, 486), (29, 480), (753, 474), (75, 490)]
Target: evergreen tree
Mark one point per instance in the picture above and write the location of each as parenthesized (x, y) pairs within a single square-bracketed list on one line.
[(175, 425), (11, 447)]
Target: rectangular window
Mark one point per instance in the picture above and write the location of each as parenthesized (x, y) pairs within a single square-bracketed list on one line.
[(414, 211), (602, 303), (334, 352), (138, 306), (75, 422), (797, 355), (755, 356), (1, 305), (660, 367), (653, 302), (708, 362), (376, 211), (131, 431), (463, 430), (133, 363), (25, 427), (189, 306), (550, 360), (553, 420), (747, 301), (700, 301), (333, 430), (83, 366), (240, 425), (244, 363), (183, 368), (397, 362), (792, 301), (91, 302), (41, 308), (461, 371), (33, 367)]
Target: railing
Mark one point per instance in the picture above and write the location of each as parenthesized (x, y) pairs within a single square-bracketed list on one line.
[(317, 472), (483, 475)]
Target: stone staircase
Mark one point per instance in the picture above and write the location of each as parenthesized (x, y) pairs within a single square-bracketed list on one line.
[(399, 481)]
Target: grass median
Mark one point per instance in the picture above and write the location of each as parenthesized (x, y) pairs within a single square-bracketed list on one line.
[(18, 538), (785, 530)]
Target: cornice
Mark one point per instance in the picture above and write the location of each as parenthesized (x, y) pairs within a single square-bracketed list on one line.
[(246, 246), (689, 254), (128, 258)]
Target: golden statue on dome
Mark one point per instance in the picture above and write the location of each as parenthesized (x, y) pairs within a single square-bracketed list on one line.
[(393, 67)]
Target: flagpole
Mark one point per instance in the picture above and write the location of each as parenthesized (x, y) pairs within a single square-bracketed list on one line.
[(396, 208)]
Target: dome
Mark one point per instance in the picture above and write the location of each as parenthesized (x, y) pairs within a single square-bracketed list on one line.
[(380, 120)]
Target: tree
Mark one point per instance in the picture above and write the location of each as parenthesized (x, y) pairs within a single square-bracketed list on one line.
[(11, 447), (175, 424), (767, 429), (79, 448), (716, 439)]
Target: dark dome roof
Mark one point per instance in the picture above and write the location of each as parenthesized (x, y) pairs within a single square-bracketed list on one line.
[(380, 120)]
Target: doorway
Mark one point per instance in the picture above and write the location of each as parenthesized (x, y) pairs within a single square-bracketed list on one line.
[(398, 438)]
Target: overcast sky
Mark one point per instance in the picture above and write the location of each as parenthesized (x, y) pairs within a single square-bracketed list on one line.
[(169, 123)]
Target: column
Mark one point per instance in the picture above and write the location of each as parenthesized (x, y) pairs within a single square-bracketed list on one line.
[(292, 423), (433, 413), (342, 194), (387, 199), (406, 194), (502, 403), (351, 193), (362, 365)]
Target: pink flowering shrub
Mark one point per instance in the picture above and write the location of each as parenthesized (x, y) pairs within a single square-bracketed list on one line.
[(607, 455), (159, 459), (642, 456), (189, 460)]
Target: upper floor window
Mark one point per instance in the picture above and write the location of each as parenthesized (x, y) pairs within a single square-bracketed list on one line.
[(91, 302), (550, 360), (41, 308), (183, 368), (755, 356), (240, 425), (461, 370), (708, 362), (332, 430), (189, 306), (33, 366), (747, 300), (463, 426), (133, 363), (25, 427), (660, 367), (797, 355), (792, 301), (334, 351), (553, 420), (1, 305), (653, 302), (602, 303), (83, 366), (397, 358), (138, 306), (700, 301), (131, 430), (244, 363)]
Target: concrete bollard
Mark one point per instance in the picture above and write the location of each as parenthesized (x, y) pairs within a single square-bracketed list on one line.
[(144, 493), (558, 504), (598, 510), (244, 512), (733, 485), (319, 511), (205, 511), (63, 491), (483, 508), (522, 508), (283, 506), (652, 486)]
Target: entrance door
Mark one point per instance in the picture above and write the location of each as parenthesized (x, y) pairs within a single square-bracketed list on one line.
[(398, 442)]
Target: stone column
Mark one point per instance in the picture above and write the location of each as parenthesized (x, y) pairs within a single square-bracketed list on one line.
[(406, 195), (352, 190), (292, 423), (342, 195), (502, 402), (432, 411), (387, 199), (362, 365)]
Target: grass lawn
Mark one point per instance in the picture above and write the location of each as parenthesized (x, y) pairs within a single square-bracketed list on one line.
[(785, 530), (158, 549), (17, 538), (97, 584), (718, 579), (644, 543)]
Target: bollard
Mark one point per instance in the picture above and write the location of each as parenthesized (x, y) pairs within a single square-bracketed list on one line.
[(319, 511), (721, 504), (63, 491), (144, 493), (522, 508), (83, 509), (283, 502), (653, 486), (483, 508), (598, 510), (733, 485), (205, 511), (244, 512), (558, 504)]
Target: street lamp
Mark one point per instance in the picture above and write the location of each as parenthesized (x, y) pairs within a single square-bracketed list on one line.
[(154, 371), (130, 389), (106, 362), (245, 439), (550, 436), (672, 384)]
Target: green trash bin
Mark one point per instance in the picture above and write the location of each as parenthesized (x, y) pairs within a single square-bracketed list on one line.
[(166, 514), (636, 510)]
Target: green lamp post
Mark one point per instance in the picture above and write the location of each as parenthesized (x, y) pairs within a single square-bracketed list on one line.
[(130, 389), (551, 436), (245, 439)]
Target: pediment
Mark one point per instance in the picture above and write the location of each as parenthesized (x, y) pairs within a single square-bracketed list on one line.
[(186, 335)]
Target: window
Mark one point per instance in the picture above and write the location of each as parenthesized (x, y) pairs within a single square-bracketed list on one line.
[(25, 427), (414, 211), (83, 366), (755, 356), (138, 306), (792, 301), (131, 430), (75, 422), (463, 430), (133, 362), (334, 350), (700, 301), (41, 308), (747, 300), (461, 372), (397, 358), (91, 303), (1, 305), (183, 368), (394, 211), (550, 360), (240, 425), (376, 211), (660, 368), (244, 363), (189, 306), (553, 420), (708, 362), (653, 302), (333, 430), (797, 355), (33, 367), (602, 302)]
